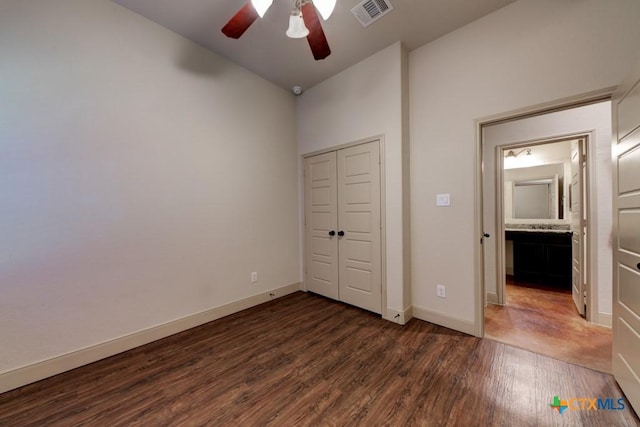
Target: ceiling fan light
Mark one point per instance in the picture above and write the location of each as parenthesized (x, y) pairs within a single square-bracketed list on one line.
[(261, 6), (325, 7), (297, 29)]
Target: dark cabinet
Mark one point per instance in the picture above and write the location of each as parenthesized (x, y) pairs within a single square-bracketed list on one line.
[(542, 257)]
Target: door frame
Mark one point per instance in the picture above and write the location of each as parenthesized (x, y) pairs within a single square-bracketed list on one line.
[(500, 222), (535, 110), (383, 217)]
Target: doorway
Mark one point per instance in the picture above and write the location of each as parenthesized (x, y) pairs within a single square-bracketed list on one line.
[(542, 248), (544, 212)]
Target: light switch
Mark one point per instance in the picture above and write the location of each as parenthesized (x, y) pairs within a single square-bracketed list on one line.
[(443, 200)]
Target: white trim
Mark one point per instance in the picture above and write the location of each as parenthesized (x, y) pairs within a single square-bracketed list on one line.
[(47, 368), (603, 319), (399, 317), (492, 298), (478, 226), (373, 138), (590, 269), (549, 107), (466, 326), (383, 221), (591, 273)]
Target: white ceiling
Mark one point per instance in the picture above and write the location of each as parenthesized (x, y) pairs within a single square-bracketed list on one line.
[(265, 50)]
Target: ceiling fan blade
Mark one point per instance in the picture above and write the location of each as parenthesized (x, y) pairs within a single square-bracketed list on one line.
[(242, 20), (316, 38)]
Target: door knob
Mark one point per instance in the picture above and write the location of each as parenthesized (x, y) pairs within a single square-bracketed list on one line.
[(340, 233), (332, 233), (487, 235)]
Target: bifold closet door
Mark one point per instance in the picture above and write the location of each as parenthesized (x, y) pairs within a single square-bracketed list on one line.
[(321, 221), (359, 246)]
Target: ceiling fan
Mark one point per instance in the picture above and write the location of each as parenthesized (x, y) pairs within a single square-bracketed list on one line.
[(303, 22)]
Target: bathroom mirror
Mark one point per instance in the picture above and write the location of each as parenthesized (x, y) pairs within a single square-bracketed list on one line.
[(535, 192), (535, 199)]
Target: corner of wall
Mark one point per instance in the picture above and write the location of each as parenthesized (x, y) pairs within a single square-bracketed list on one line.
[(432, 316), (604, 319), (399, 317), (406, 175), (492, 298)]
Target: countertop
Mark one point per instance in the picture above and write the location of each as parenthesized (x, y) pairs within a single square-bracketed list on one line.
[(538, 230)]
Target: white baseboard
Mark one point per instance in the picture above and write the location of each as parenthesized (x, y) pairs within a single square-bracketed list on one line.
[(603, 319), (444, 320), (399, 317), (492, 298), (47, 368)]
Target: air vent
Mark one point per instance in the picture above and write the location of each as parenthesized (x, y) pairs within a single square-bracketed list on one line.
[(369, 11)]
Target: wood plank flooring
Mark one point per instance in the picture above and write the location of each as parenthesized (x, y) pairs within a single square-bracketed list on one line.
[(544, 320), (306, 360)]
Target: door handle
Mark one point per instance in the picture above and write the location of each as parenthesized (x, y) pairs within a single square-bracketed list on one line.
[(487, 235), (332, 233), (340, 233)]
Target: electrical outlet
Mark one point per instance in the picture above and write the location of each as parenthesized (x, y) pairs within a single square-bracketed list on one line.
[(441, 291), (254, 277)]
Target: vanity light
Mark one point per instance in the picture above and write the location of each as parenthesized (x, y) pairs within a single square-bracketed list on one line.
[(513, 154)]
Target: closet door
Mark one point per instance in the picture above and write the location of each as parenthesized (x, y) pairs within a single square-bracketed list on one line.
[(321, 240), (360, 262)]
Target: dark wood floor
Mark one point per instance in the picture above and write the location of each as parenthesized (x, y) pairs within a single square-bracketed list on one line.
[(306, 360), (544, 320)]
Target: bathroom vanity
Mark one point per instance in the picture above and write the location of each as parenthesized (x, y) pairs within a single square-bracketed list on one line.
[(541, 256)]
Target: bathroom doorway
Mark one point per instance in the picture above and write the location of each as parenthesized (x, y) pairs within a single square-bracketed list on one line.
[(542, 263), (542, 199)]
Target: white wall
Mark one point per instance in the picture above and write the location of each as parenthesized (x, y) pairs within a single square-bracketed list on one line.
[(361, 102), (142, 179), (530, 52)]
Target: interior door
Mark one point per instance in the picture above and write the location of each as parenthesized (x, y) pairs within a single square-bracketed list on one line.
[(626, 242), (577, 224), (360, 275), (493, 278), (321, 220)]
